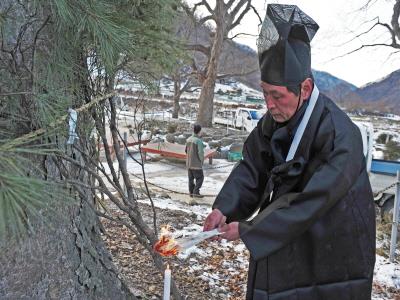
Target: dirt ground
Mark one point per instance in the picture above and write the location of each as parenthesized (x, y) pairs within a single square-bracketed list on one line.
[(136, 268), (221, 274)]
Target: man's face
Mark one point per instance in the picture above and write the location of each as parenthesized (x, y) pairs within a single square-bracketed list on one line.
[(281, 103)]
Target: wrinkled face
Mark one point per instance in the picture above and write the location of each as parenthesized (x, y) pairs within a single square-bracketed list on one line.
[(281, 103)]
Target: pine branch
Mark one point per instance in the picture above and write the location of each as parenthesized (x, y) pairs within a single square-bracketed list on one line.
[(26, 138), (16, 94)]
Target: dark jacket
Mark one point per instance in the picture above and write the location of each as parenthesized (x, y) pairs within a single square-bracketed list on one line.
[(315, 237)]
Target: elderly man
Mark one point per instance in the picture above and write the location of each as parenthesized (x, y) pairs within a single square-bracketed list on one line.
[(303, 176)]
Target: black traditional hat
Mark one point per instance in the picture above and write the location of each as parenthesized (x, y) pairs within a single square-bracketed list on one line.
[(284, 45)]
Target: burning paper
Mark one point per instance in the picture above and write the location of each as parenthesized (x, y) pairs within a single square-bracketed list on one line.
[(167, 245)]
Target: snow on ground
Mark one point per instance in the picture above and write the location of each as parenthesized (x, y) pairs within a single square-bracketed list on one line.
[(389, 125), (391, 132), (387, 273), (165, 203), (173, 175), (166, 88), (393, 117), (136, 169)]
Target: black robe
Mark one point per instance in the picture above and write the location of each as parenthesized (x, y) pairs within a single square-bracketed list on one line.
[(314, 236)]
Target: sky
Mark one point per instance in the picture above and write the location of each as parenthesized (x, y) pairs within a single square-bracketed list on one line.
[(340, 21)]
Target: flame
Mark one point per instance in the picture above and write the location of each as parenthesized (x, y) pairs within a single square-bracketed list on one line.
[(165, 230), (166, 245)]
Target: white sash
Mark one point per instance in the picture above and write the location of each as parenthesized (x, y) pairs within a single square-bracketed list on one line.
[(303, 124)]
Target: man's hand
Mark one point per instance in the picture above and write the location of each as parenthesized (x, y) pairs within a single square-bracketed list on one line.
[(214, 219), (230, 231)]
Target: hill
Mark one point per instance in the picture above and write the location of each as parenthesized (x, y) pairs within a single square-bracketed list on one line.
[(382, 95), (332, 86)]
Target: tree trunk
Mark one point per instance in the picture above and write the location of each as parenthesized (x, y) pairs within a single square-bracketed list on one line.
[(177, 96), (65, 257), (206, 100)]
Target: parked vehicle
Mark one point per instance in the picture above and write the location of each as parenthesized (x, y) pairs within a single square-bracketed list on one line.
[(225, 117), (242, 118), (382, 173)]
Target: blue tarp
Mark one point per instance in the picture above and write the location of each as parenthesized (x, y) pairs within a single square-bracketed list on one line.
[(385, 166)]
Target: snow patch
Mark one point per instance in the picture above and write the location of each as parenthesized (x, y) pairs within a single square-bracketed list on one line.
[(164, 203), (387, 273)]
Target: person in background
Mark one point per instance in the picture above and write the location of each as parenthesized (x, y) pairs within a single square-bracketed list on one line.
[(300, 200), (194, 161)]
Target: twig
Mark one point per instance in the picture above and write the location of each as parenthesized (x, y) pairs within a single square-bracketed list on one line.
[(241, 33), (257, 14), (361, 47), (144, 177)]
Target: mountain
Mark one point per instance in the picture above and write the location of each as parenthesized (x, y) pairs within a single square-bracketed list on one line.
[(382, 95), (335, 88)]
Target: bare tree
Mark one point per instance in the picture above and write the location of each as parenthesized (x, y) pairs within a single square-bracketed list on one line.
[(182, 83), (182, 75), (225, 15), (393, 30)]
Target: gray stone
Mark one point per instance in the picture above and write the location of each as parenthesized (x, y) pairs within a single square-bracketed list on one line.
[(214, 144), (217, 137), (170, 138), (180, 140), (172, 127), (165, 195), (187, 134), (226, 141), (157, 139)]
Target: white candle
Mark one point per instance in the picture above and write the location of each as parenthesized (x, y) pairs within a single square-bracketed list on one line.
[(167, 283)]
